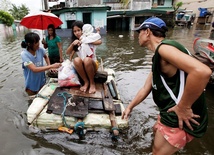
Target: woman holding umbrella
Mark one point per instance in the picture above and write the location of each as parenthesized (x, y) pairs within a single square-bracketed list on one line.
[(33, 65), (42, 21), (54, 45)]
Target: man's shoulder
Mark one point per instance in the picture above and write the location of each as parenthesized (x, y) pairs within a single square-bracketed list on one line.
[(169, 41), (173, 43), (176, 44)]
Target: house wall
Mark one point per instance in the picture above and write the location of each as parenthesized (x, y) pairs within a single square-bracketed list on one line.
[(133, 5), (79, 16), (63, 19), (140, 5), (69, 16), (114, 6), (88, 2), (168, 3), (98, 19)]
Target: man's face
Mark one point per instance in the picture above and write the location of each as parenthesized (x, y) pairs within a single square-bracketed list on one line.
[(142, 38)]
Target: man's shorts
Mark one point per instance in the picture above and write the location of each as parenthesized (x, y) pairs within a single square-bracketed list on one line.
[(175, 136)]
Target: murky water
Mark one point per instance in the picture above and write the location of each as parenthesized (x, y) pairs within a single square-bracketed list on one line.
[(131, 63)]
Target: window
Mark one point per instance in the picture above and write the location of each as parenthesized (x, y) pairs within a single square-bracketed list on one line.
[(161, 2), (86, 17)]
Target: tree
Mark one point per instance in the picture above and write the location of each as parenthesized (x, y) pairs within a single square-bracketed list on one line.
[(19, 12), (23, 11), (6, 18), (176, 7), (14, 11)]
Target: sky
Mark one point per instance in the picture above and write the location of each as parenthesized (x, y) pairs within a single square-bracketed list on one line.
[(33, 5)]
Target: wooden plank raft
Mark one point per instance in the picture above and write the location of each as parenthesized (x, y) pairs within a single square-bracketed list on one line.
[(99, 102), (76, 91), (101, 93)]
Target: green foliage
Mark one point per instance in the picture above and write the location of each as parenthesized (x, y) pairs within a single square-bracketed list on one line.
[(6, 18), (177, 6), (18, 12), (125, 3)]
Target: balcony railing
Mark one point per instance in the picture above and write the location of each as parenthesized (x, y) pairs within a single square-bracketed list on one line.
[(111, 1)]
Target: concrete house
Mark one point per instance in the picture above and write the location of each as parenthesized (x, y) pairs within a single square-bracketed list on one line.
[(90, 13), (128, 16), (112, 14)]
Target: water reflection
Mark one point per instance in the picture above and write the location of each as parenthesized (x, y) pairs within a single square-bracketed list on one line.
[(132, 64)]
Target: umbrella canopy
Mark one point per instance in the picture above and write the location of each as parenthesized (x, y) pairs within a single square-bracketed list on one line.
[(40, 20)]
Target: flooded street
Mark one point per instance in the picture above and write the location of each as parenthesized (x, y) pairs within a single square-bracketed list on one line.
[(131, 64)]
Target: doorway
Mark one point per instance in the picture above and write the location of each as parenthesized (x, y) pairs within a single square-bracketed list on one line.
[(87, 17)]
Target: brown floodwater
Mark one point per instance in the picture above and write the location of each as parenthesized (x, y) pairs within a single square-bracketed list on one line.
[(119, 51)]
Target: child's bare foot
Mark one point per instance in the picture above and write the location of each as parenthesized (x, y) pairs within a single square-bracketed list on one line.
[(92, 89), (84, 87)]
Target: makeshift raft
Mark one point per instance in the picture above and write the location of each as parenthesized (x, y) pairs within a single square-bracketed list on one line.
[(55, 106)]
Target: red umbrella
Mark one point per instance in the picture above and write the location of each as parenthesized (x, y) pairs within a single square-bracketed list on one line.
[(40, 20)]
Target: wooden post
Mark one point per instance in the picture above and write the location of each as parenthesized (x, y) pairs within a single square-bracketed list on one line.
[(112, 116), (45, 2)]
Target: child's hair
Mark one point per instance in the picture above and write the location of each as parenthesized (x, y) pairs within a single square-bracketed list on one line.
[(73, 37), (30, 39), (51, 26)]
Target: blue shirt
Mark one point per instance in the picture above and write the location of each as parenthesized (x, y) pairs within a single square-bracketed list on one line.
[(33, 81)]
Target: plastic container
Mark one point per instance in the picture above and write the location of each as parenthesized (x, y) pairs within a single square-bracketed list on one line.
[(203, 12)]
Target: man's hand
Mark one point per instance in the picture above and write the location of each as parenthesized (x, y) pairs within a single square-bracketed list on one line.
[(184, 115), (126, 113)]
